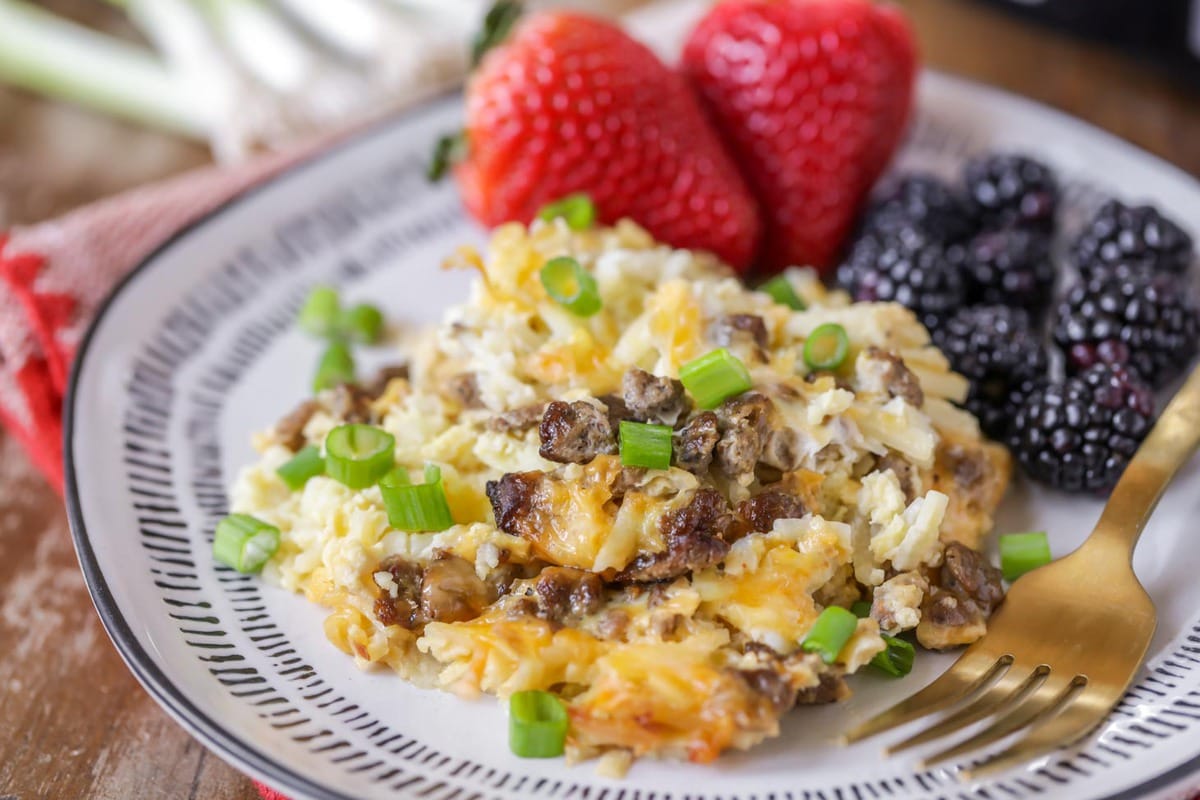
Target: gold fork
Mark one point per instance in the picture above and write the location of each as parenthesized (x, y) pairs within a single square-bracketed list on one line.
[(1069, 637)]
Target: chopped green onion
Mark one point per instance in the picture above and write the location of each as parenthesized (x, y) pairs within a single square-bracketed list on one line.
[(715, 377), (363, 323), (576, 209), (826, 347), (1022, 552), (335, 367), (830, 633), (860, 609), (897, 659), (359, 455), (571, 286), (537, 725), (319, 314), (644, 444), (307, 463), (782, 292), (244, 543), (416, 507)]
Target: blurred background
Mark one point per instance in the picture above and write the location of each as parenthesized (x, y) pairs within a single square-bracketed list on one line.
[(223, 78), (175, 84)]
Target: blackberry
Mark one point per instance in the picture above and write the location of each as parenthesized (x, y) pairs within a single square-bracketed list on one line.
[(1079, 434), (1010, 267), (1137, 237), (997, 350), (1146, 321), (909, 267), (1007, 189), (922, 202)]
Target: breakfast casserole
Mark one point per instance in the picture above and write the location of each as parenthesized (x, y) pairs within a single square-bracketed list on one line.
[(670, 608)]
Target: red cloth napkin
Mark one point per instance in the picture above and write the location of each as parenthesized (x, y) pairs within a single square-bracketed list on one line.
[(54, 275)]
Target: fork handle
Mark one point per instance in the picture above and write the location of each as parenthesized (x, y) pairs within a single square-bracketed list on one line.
[(1168, 447)]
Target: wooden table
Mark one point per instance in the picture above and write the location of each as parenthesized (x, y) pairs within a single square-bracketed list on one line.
[(73, 722)]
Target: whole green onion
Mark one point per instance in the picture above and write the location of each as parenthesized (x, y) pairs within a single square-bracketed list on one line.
[(897, 659), (829, 633), (714, 377), (307, 463), (416, 507), (244, 542), (319, 314), (645, 444), (359, 455), (363, 323), (576, 209), (335, 367), (1022, 552), (782, 292), (826, 347), (571, 286), (537, 725)]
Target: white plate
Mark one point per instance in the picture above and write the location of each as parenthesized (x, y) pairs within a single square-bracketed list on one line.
[(196, 349)]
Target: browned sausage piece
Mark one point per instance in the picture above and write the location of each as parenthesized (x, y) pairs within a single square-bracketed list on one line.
[(564, 593), (451, 591), (512, 498), (732, 330), (290, 430), (744, 424), (764, 508), (894, 377), (351, 403), (695, 442), (650, 398), (518, 420), (694, 536), (401, 605), (463, 388), (575, 433), (967, 573)]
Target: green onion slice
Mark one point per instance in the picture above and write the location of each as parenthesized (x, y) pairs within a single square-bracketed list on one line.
[(335, 367), (830, 633), (645, 444), (1022, 552), (359, 455), (782, 292), (577, 209), (537, 725), (363, 323), (571, 286), (860, 609), (319, 314), (307, 463), (897, 659), (244, 543), (416, 507), (827, 347), (715, 377)]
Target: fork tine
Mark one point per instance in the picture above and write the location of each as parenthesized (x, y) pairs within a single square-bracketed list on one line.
[(1047, 700), (971, 671), (1075, 722), (1008, 692)]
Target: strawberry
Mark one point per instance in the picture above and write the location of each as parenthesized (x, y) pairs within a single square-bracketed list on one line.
[(812, 97), (571, 103)]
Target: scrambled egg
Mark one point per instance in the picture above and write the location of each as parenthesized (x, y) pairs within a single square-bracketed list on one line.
[(666, 607)]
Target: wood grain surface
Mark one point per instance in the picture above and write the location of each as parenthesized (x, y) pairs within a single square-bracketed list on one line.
[(73, 722)]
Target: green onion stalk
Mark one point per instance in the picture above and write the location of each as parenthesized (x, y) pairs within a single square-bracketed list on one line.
[(43, 53)]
